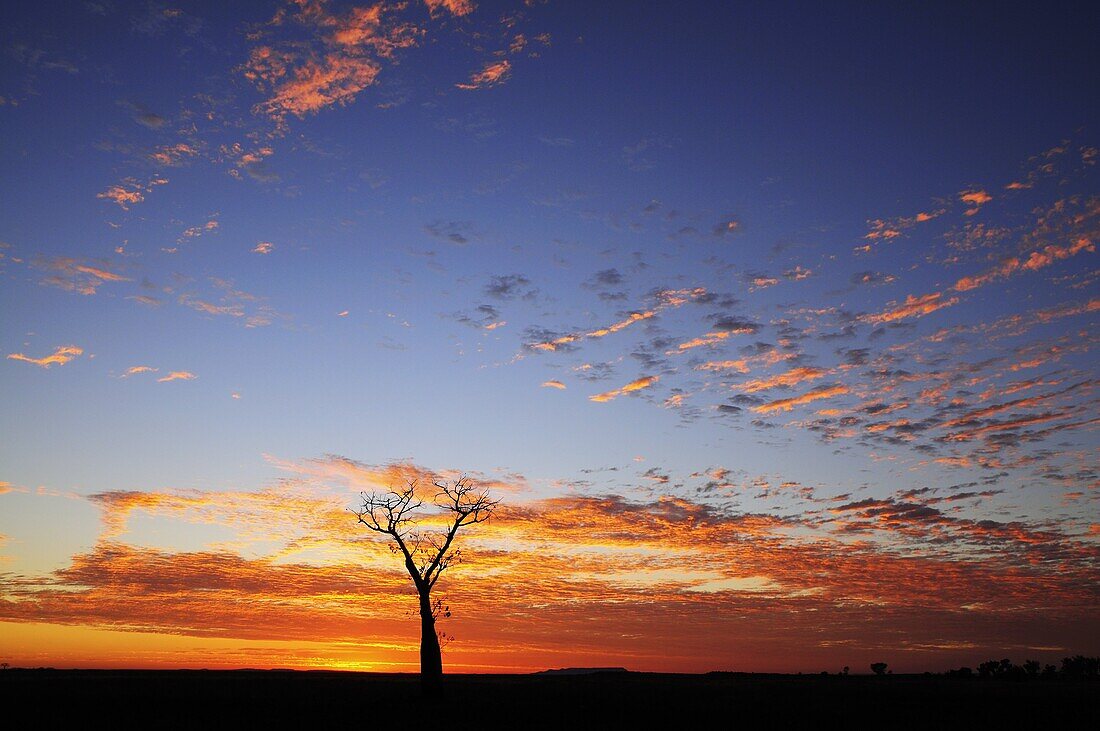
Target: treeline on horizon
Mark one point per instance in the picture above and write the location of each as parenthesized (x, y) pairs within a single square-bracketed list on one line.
[(1078, 666)]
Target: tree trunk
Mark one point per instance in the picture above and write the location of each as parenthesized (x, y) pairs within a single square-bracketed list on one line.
[(431, 658)]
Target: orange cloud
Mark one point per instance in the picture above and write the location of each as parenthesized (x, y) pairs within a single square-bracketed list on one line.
[(763, 282), (912, 307), (786, 404), (708, 339), (552, 345), (335, 80), (454, 7), (171, 155), (74, 275), (61, 356), (661, 571), (122, 196), (635, 385), (666, 299), (134, 370), (974, 198), (743, 365), (178, 376), (264, 247), (792, 377), (1036, 260), (338, 60), (886, 229), (129, 192), (553, 384), (492, 75), (965, 436)]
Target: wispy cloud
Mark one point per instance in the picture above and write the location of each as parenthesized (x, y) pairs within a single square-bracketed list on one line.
[(454, 7), (816, 394), (912, 307), (134, 370), (492, 74), (790, 378), (635, 385), (76, 275), (1034, 261), (335, 57), (61, 356), (177, 376), (130, 192)]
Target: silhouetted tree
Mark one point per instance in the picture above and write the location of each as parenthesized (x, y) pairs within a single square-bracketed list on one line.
[(1080, 666), (1032, 668), (878, 668), (427, 554)]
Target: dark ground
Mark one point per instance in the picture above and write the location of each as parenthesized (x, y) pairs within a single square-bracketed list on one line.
[(320, 700)]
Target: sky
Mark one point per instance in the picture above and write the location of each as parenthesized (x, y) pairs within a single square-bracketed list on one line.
[(770, 325)]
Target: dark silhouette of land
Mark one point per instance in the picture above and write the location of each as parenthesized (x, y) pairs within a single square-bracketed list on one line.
[(606, 700)]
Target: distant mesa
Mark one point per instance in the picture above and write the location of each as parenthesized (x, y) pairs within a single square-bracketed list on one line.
[(581, 671)]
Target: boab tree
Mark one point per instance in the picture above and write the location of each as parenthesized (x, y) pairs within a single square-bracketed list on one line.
[(427, 553)]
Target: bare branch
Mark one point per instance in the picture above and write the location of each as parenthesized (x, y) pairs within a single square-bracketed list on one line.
[(393, 514)]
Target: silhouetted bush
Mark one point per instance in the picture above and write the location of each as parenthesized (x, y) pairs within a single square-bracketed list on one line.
[(1080, 666), (878, 668)]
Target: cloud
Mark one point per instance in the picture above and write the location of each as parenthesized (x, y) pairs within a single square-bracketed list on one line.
[(912, 307), (130, 192), (553, 384), (177, 376), (709, 339), (635, 385), (61, 356), (170, 156), (604, 278), (1035, 261), (296, 569), (134, 370), (770, 357), (251, 309), (334, 80), (975, 199), (454, 7), (885, 229), (816, 394), (454, 232), (558, 342), (491, 75), (665, 299), (727, 227), (509, 286), (76, 275), (792, 377), (339, 56), (263, 247), (872, 278)]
